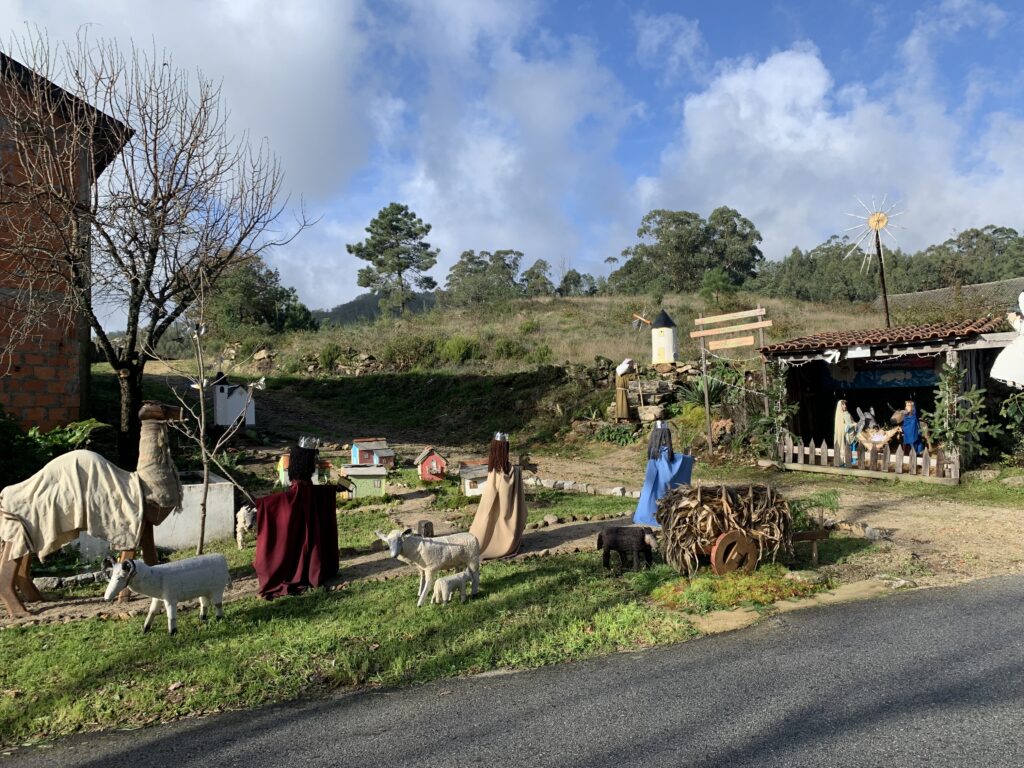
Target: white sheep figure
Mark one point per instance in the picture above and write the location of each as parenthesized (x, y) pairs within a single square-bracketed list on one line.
[(205, 577), (433, 555), (446, 587)]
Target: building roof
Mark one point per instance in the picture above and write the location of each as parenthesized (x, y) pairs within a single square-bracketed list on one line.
[(369, 440), (384, 453), (426, 452), (663, 321), (364, 470), (109, 135), (377, 444), (875, 337), (472, 468)]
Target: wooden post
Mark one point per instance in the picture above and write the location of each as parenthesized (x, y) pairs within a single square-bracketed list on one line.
[(800, 451), (764, 369), (707, 400), (940, 463), (913, 461), (885, 458), (899, 460), (924, 463)]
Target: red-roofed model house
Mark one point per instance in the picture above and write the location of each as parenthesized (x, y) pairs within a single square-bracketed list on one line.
[(432, 465)]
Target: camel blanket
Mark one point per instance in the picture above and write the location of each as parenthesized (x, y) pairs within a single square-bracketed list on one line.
[(501, 517), (79, 491)]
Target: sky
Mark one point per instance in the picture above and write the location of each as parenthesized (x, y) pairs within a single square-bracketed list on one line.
[(553, 127)]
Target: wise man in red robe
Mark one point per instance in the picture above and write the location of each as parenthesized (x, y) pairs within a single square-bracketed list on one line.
[(297, 530)]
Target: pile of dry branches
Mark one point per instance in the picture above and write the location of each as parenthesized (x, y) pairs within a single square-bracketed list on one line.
[(691, 518)]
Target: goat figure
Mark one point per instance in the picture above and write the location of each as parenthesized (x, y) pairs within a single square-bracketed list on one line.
[(431, 556), (446, 587), (638, 540), (205, 577)]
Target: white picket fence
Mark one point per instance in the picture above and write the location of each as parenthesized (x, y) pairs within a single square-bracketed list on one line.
[(883, 462)]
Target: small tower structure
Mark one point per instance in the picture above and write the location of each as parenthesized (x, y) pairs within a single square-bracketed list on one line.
[(663, 340)]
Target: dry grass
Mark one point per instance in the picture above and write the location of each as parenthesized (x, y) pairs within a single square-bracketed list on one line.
[(574, 330)]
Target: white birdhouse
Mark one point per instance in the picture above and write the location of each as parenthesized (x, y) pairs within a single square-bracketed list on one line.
[(663, 339)]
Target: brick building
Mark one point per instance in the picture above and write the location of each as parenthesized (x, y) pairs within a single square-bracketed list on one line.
[(45, 381)]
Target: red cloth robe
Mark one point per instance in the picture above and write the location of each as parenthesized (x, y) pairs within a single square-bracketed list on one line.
[(296, 539)]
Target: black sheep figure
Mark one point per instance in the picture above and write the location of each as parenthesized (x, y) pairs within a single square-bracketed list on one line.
[(624, 540)]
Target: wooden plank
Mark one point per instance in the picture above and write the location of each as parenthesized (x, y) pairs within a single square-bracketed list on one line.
[(885, 458), (759, 312), (800, 452), (823, 454), (787, 448), (899, 460), (925, 462), (955, 463), (741, 341), (940, 463), (913, 461), (867, 473), (872, 458), (730, 329)]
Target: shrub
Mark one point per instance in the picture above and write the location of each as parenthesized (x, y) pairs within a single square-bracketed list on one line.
[(509, 349), (529, 326), (620, 434), (410, 351), (459, 349), (540, 355), (330, 355)]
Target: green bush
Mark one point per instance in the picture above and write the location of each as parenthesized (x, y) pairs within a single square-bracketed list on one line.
[(22, 455), (410, 351), (330, 355), (620, 434), (529, 326), (459, 349), (540, 355), (509, 349)]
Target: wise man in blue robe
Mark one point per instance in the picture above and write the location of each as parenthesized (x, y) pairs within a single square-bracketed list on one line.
[(912, 437)]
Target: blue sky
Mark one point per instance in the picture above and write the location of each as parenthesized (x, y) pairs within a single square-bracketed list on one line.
[(552, 127)]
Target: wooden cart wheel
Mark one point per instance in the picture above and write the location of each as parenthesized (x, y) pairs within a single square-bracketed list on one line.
[(733, 551)]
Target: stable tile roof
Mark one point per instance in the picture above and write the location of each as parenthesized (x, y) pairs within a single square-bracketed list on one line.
[(874, 337)]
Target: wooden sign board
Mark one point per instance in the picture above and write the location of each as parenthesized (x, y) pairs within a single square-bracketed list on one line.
[(739, 341), (712, 319), (730, 329)]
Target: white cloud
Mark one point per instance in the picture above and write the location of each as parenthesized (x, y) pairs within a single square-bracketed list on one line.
[(669, 42), (779, 141)]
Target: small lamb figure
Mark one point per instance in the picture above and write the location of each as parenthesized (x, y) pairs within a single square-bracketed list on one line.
[(446, 587), (625, 539), (205, 577), (431, 556)]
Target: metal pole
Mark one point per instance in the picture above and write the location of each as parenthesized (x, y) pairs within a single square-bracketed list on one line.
[(881, 275)]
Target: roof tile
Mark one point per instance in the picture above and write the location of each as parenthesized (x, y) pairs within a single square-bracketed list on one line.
[(906, 334)]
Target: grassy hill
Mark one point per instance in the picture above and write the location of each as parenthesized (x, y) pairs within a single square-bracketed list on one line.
[(529, 332)]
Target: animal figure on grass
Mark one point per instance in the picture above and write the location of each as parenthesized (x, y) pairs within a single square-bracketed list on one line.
[(431, 556), (82, 491), (205, 577), (635, 540), (446, 587)]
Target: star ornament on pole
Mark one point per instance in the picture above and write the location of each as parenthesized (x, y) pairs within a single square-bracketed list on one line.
[(877, 221)]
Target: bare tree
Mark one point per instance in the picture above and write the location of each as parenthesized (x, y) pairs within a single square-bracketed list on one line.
[(137, 192)]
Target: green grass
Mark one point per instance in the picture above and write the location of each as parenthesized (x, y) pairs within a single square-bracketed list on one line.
[(94, 674), (356, 529), (706, 592)]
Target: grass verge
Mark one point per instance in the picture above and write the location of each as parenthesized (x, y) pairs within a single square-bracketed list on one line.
[(706, 592), (95, 674)]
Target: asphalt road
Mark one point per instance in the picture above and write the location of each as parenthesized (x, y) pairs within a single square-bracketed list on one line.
[(927, 678)]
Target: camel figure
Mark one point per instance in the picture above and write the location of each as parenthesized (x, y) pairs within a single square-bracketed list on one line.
[(82, 491)]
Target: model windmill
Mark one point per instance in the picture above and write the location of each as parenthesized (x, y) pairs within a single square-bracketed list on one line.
[(664, 350), (877, 221)]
